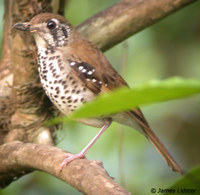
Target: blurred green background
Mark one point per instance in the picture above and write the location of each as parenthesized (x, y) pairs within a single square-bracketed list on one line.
[(169, 48)]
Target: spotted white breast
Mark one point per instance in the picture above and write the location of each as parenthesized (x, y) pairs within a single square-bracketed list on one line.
[(63, 90)]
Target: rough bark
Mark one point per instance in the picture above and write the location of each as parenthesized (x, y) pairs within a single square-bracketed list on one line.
[(126, 18), (86, 176), (24, 107)]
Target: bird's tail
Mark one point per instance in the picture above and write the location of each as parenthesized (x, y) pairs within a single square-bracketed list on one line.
[(138, 116)]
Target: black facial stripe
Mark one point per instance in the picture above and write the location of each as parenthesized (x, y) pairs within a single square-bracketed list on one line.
[(54, 33), (65, 31), (59, 36)]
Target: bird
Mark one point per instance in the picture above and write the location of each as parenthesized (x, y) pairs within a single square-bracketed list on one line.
[(73, 71)]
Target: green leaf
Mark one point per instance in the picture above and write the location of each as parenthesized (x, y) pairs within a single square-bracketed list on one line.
[(124, 98), (188, 184), (57, 120)]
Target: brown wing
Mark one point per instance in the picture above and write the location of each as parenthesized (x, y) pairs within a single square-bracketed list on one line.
[(92, 67)]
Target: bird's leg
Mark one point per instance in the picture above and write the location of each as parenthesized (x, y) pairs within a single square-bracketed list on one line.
[(72, 157)]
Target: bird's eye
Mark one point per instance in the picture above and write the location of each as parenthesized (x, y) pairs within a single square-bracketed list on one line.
[(51, 24)]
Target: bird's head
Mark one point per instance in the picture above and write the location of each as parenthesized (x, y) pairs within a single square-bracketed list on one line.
[(49, 30)]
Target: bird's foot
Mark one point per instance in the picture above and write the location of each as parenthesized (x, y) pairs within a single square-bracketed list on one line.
[(69, 158)]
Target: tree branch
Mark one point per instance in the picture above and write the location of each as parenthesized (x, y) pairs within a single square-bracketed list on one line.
[(87, 176), (115, 24)]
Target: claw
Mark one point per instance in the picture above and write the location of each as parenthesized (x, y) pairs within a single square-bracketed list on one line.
[(82, 154), (69, 159)]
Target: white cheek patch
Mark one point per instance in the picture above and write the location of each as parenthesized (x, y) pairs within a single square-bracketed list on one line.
[(43, 37), (48, 37), (40, 42)]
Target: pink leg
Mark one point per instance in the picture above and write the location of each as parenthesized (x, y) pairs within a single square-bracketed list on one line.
[(84, 151)]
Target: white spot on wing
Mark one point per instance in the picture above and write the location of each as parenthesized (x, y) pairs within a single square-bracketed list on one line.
[(72, 63), (89, 72), (80, 67), (84, 70)]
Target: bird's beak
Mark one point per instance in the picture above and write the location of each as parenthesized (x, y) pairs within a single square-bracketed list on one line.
[(22, 26)]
